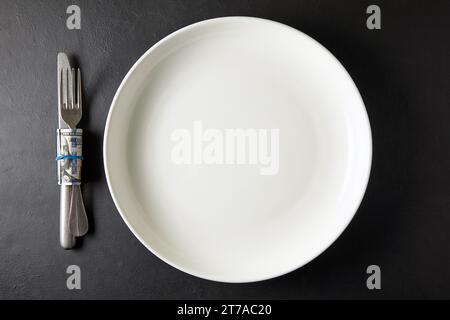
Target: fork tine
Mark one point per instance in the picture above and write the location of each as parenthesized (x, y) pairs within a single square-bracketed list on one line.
[(61, 89), (67, 90), (72, 73), (79, 93)]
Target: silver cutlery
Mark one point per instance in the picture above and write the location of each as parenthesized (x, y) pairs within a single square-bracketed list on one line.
[(73, 218)]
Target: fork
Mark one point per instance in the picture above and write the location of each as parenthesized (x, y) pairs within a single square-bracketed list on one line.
[(71, 112)]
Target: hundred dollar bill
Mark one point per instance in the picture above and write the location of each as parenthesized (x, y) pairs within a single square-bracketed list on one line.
[(69, 156)]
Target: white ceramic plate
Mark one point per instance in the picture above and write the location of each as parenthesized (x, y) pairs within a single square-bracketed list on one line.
[(219, 207)]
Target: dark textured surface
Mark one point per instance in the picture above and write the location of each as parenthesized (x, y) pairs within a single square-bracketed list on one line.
[(402, 225)]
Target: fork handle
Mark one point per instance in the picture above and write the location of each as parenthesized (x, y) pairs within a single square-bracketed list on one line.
[(66, 239)]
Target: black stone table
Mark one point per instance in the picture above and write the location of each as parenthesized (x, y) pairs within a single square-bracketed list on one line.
[(402, 72)]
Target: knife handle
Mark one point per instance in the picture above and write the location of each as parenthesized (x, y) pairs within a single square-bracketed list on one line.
[(66, 239)]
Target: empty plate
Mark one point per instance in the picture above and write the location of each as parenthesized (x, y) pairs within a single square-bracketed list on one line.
[(237, 149)]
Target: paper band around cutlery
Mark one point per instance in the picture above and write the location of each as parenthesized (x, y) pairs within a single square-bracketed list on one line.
[(69, 156)]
